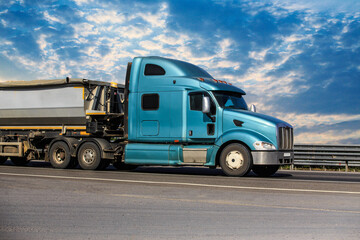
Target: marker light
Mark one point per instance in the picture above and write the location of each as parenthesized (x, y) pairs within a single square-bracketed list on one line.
[(220, 81)]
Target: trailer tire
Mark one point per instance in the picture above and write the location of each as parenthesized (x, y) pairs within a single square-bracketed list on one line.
[(265, 171), (235, 160), (19, 161), (59, 155), (3, 160), (89, 156)]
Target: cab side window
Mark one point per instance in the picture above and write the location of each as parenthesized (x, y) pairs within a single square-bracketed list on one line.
[(196, 101), (153, 70), (150, 102)]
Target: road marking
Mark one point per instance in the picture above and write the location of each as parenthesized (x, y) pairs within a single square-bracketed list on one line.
[(251, 178), (180, 184), (223, 202), (274, 179)]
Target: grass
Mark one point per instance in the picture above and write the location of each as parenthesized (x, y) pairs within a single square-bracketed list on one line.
[(321, 168)]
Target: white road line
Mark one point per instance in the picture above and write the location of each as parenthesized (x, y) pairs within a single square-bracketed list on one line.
[(274, 179), (180, 184), (224, 202)]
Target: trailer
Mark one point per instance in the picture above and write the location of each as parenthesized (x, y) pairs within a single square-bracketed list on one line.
[(57, 120), (168, 112)]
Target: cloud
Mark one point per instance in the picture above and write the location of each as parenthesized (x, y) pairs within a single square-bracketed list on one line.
[(158, 19), (329, 137), (332, 6), (102, 16), (313, 120), (297, 60)]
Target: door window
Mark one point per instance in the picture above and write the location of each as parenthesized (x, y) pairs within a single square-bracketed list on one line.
[(196, 102)]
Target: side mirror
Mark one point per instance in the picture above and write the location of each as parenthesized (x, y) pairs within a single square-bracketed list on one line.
[(252, 108), (206, 105)]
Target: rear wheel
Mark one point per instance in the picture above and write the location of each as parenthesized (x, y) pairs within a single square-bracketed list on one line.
[(89, 157), (19, 161), (235, 160), (60, 155), (265, 171)]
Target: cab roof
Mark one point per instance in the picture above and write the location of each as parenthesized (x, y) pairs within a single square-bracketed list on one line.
[(175, 68)]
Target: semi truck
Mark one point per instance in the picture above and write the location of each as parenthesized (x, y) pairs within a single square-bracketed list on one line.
[(168, 112)]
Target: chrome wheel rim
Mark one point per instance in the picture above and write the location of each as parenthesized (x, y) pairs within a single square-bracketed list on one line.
[(89, 156), (234, 160)]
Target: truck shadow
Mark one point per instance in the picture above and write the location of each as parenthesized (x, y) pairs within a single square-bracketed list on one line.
[(200, 171)]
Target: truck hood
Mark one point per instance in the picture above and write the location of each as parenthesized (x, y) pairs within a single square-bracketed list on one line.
[(262, 126), (244, 115)]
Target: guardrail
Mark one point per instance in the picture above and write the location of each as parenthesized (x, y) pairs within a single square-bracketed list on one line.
[(327, 155)]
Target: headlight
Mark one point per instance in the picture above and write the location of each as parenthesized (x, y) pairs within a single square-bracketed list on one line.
[(259, 145)]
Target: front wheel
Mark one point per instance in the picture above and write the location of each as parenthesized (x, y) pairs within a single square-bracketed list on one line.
[(265, 171), (235, 160)]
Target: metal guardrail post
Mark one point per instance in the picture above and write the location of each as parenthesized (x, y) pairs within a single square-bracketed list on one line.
[(346, 166)]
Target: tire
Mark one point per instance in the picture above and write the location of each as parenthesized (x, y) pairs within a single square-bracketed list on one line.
[(265, 171), (19, 161), (3, 160), (235, 160), (123, 166), (89, 156), (59, 155)]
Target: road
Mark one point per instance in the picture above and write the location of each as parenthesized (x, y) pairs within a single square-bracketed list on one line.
[(39, 202)]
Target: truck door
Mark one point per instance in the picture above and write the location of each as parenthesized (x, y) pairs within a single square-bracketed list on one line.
[(150, 115), (201, 127)]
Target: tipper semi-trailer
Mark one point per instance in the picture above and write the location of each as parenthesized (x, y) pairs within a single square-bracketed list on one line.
[(168, 112)]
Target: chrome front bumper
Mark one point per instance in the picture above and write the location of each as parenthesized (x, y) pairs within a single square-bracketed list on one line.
[(272, 157)]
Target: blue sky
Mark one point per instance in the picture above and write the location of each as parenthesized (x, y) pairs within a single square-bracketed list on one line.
[(297, 60)]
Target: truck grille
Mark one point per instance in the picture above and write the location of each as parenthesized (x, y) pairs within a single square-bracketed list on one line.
[(285, 138)]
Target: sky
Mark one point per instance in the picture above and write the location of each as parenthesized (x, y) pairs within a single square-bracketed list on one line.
[(297, 60)]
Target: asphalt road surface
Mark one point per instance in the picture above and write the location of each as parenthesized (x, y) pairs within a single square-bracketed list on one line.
[(39, 202)]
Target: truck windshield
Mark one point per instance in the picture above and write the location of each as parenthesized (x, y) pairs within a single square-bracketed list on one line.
[(232, 100)]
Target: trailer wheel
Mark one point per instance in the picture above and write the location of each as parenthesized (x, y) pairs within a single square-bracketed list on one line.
[(265, 171), (60, 155), (19, 161), (89, 157), (235, 160), (3, 160)]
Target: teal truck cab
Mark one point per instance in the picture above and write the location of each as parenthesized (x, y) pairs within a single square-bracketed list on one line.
[(178, 114), (169, 113)]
